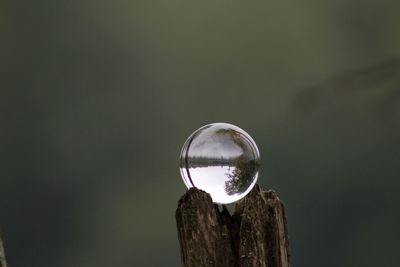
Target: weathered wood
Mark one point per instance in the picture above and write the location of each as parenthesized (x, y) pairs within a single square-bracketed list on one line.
[(2, 255), (255, 235), (203, 231)]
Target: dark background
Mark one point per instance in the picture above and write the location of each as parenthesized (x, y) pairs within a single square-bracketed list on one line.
[(97, 98)]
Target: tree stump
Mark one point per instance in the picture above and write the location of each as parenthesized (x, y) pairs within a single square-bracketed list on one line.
[(255, 235), (2, 255)]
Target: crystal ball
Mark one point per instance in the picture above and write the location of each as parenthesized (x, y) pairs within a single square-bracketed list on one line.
[(221, 159)]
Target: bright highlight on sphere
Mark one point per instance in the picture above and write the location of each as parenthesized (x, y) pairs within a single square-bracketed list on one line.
[(221, 159)]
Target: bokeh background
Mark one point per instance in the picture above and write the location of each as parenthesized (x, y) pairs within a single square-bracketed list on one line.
[(97, 98)]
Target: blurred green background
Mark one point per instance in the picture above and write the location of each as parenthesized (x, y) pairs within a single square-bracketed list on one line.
[(97, 98)]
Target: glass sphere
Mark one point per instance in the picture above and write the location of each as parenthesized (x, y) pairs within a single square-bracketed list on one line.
[(221, 159)]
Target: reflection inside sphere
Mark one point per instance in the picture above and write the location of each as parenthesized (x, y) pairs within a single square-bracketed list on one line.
[(222, 160)]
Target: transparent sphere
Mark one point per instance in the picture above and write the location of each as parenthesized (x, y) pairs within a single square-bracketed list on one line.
[(222, 160)]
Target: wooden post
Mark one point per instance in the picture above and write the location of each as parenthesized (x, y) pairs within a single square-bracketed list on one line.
[(2, 255), (255, 235)]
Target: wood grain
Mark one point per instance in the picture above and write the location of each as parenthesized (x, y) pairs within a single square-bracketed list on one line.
[(255, 235)]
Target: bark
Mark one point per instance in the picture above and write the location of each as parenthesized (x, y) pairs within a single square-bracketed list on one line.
[(2, 255), (255, 235)]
